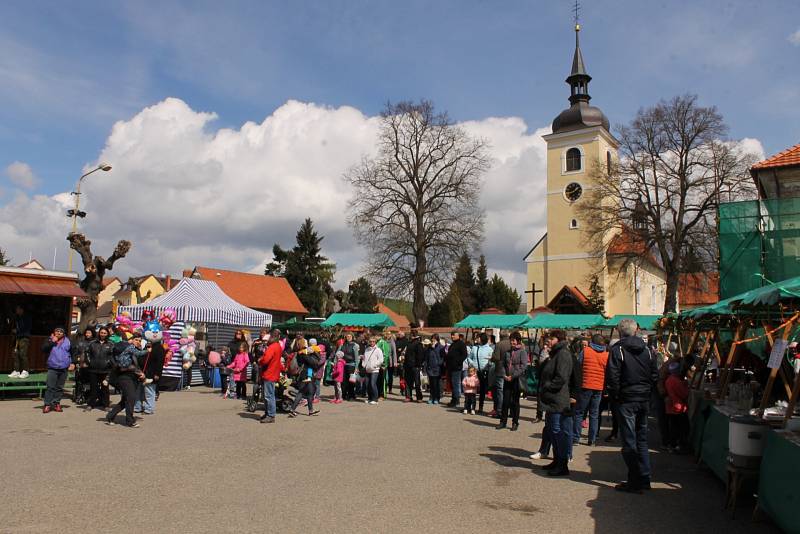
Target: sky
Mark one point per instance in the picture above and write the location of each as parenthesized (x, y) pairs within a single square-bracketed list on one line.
[(228, 123)]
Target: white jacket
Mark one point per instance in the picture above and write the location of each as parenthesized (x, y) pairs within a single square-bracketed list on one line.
[(372, 359)]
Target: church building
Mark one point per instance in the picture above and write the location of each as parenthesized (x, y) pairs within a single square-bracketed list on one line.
[(564, 275)]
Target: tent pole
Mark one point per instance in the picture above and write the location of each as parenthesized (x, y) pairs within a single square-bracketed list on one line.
[(773, 373)]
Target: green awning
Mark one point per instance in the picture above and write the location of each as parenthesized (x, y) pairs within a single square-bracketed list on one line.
[(493, 321), (362, 320), (294, 324), (769, 295), (645, 322), (566, 321)]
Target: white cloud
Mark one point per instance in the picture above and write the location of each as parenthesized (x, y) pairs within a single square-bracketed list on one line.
[(795, 38), (21, 175), (187, 194)]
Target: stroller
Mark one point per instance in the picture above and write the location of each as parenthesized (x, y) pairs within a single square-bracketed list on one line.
[(256, 395), (283, 402), (80, 392)]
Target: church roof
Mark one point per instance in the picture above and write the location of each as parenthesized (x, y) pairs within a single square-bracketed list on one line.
[(627, 243)]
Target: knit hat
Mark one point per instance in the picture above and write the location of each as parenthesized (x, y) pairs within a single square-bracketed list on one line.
[(312, 341), (674, 368)]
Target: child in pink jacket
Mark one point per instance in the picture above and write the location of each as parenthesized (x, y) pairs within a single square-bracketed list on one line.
[(337, 374), (239, 367), (470, 384)]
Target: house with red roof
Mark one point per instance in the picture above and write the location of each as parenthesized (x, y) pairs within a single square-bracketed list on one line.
[(269, 294), (778, 176)]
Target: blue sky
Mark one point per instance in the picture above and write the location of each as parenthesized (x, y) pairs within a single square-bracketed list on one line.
[(76, 68), (70, 71)]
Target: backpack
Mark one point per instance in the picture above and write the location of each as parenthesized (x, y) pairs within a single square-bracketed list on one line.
[(294, 368), (314, 361)]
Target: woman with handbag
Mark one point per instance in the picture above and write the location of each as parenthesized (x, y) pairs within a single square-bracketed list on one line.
[(372, 360)]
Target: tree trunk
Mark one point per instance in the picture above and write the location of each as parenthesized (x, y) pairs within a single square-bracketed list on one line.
[(671, 299), (419, 307)]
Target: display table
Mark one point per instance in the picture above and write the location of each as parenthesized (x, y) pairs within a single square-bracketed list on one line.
[(714, 448), (778, 489)]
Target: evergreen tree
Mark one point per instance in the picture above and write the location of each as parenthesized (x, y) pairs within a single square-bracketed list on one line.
[(308, 272), (439, 314), (503, 296), (465, 282), (596, 298), (481, 290), (361, 298), (453, 302)]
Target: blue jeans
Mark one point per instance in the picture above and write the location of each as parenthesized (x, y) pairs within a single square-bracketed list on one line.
[(588, 401), (635, 451), (372, 386), (498, 393), (455, 384), (145, 398), (560, 435), (269, 398)]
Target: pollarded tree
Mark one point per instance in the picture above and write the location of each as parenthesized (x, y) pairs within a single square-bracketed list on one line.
[(675, 167), (94, 269), (415, 204)]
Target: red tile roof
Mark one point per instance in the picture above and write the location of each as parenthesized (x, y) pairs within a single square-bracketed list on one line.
[(401, 321), (626, 243), (698, 289), (258, 291), (787, 158), (108, 279)]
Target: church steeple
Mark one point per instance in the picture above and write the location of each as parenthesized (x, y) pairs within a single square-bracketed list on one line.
[(580, 114), (578, 79)]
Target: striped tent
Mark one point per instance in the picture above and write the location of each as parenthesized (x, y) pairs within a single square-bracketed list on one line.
[(201, 301)]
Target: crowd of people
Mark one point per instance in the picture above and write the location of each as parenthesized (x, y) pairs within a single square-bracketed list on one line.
[(573, 380)]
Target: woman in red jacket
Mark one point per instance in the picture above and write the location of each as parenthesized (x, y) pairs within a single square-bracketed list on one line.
[(676, 407)]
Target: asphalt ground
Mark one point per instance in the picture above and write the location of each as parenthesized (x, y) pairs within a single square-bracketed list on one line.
[(203, 464)]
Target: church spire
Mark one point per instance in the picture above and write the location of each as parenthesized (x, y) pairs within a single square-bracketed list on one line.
[(578, 79)]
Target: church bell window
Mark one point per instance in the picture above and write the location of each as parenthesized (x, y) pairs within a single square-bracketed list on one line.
[(573, 160)]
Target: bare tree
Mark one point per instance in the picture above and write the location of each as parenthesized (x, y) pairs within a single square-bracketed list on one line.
[(415, 204), (94, 268), (675, 167)]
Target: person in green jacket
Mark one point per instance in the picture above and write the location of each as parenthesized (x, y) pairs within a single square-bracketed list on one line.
[(387, 345)]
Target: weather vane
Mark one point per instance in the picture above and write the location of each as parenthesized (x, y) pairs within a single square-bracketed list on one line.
[(576, 12)]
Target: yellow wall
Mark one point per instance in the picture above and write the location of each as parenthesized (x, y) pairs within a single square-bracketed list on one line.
[(563, 258), (620, 291), (108, 292), (149, 284)]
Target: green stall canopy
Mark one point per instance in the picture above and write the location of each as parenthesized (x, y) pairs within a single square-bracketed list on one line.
[(770, 295), (645, 322), (362, 320), (493, 321), (566, 321)]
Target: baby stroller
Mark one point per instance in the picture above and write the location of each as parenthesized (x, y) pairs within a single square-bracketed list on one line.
[(80, 392), (256, 395)]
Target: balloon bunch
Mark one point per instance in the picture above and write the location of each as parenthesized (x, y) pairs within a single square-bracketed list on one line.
[(127, 326), (187, 346)]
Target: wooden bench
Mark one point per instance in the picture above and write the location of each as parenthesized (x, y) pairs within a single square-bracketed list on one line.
[(35, 382)]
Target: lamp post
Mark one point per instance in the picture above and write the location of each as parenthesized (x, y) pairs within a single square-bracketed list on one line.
[(75, 212)]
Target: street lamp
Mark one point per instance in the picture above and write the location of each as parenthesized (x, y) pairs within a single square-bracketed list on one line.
[(76, 212)]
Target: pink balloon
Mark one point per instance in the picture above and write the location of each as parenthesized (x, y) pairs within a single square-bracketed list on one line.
[(214, 358)]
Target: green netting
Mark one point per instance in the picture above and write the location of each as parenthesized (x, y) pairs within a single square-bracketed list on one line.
[(759, 242)]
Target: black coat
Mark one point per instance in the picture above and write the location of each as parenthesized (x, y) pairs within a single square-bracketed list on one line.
[(415, 354), (632, 371), (100, 356), (154, 361), (556, 375), (456, 355)]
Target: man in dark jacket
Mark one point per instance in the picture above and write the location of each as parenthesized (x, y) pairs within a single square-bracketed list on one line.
[(456, 355), (351, 351), (415, 357), (512, 367), (632, 374), (555, 400)]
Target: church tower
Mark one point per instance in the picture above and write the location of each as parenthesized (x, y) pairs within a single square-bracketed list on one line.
[(560, 266)]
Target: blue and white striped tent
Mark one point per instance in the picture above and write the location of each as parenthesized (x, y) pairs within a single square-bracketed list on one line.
[(201, 301)]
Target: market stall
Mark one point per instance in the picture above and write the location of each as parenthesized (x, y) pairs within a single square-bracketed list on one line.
[(490, 320), (46, 298), (744, 383), (202, 304), (373, 321)]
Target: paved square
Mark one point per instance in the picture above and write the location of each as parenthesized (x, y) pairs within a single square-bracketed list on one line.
[(203, 464)]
